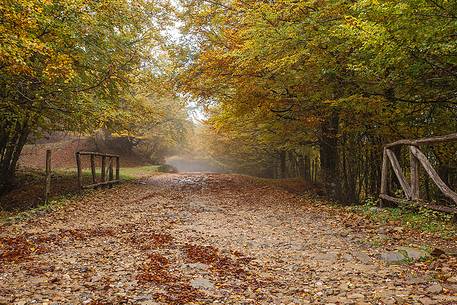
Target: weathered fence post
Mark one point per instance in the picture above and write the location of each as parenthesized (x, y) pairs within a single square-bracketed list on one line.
[(433, 174), (414, 176), (417, 159), (117, 168), (110, 171), (78, 165), (47, 191), (384, 174), (103, 173), (92, 168), (107, 169), (398, 172)]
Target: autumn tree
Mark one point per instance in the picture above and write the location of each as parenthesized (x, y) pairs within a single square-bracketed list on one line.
[(343, 76), (67, 65)]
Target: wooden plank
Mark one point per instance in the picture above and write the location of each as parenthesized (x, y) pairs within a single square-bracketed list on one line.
[(433, 174), (399, 173), (434, 207), (384, 174), (414, 176), (400, 142), (47, 190), (384, 171), (107, 172), (101, 184), (392, 199), (433, 140), (86, 153), (78, 165), (92, 168), (118, 168), (110, 170), (103, 172)]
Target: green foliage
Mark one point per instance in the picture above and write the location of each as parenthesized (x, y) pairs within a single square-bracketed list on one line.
[(273, 74), (52, 205), (411, 216), (66, 63), (78, 65)]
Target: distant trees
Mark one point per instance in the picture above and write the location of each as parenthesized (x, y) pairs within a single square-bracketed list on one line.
[(70, 65), (328, 79), (165, 132)]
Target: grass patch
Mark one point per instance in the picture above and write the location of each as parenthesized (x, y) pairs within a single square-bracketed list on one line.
[(28, 197), (43, 208), (29, 190), (130, 173), (126, 173), (413, 217)]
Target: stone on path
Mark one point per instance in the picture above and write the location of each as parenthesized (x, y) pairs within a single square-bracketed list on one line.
[(403, 253), (355, 296), (329, 256), (363, 257), (393, 256), (198, 266), (201, 283), (148, 302), (413, 253), (436, 288), (427, 301)]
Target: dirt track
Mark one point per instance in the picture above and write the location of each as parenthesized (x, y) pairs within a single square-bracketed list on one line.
[(205, 239)]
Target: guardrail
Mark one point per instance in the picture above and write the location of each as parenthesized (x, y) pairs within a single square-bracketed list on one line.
[(107, 172), (417, 158)]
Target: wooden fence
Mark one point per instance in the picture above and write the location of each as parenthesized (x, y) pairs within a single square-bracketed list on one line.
[(106, 173), (417, 158)]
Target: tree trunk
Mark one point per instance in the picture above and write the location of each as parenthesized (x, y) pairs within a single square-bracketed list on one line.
[(282, 164), (14, 138), (329, 156)]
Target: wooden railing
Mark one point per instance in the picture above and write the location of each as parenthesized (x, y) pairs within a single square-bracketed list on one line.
[(417, 158), (106, 173)]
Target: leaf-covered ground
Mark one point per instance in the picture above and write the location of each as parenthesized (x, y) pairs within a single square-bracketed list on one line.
[(212, 239)]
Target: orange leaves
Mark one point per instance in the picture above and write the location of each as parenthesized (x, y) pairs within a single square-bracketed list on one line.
[(211, 256), (15, 249), (61, 66), (159, 239), (22, 247), (151, 241), (155, 269), (69, 63), (179, 294), (201, 254)]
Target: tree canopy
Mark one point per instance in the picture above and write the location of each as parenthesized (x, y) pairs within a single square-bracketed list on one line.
[(78, 65), (342, 77), (286, 84)]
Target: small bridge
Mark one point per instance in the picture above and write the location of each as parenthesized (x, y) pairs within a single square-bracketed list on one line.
[(417, 158), (106, 172)]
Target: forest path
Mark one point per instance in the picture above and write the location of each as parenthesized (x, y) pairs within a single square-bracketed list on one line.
[(206, 239)]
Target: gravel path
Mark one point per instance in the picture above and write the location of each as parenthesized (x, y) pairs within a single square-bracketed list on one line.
[(207, 239)]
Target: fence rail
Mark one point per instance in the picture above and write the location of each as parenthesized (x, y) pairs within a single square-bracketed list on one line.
[(417, 159), (107, 172)]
